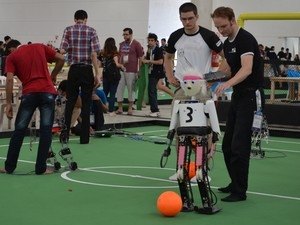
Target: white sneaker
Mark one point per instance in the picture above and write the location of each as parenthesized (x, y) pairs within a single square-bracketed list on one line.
[(154, 114), (112, 114), (173, 177)]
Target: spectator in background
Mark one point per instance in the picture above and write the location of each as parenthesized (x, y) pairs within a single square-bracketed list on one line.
[(288, 55), (131, 53), (7, 39), (262, 51), (274, 61), (296, 58), (163, 84), (163, 44), (99, 106), (81, 42), (154, 60), (2, 51), (281, 54), (2, 48), (109, 59)]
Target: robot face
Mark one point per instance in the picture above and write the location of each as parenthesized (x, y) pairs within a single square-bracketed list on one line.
[(193, 84)]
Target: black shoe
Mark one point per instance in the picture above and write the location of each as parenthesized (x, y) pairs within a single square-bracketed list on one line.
[(225, 189), (84, 140), (234, 198)]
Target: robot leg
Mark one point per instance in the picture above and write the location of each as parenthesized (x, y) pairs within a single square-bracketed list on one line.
[(183, 160), (202, 178), (53, 160), (66, 154), (256, 150)]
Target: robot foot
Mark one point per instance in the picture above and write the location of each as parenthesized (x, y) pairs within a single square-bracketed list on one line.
[(66, 155), (53, 161), (194, 179), (207, 210), (257, 154), (73, 166), (187, 207)]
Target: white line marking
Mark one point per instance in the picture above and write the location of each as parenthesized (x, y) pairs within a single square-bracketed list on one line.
[(64, 175), (92, 169), (36, 142), (129, 175), (288, 142)]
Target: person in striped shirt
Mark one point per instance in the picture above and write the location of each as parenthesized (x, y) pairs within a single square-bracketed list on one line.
[(81, 44)]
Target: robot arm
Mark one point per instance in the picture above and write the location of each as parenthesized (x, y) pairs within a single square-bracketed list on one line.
[(175, 115), (210, 109), (171, 134), (173, 126)]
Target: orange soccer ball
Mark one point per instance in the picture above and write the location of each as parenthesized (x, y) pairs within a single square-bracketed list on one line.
[(169, 203), (192, 169)]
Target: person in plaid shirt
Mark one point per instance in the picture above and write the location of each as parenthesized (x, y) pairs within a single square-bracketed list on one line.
[(81, 43)]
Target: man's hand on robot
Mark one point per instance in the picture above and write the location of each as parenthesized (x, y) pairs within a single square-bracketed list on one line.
[(221, 88), (213, 76), (174, 81)]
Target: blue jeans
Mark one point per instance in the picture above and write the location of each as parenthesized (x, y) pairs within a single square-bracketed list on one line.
[(110, 88), (45, 102)]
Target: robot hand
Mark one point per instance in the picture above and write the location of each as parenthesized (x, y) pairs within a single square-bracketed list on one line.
[(164, 157), (167, 152)]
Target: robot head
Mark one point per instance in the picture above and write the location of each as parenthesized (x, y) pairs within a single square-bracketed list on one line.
[(193, 84)]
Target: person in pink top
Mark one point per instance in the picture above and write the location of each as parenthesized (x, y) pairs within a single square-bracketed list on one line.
[(29, 64)]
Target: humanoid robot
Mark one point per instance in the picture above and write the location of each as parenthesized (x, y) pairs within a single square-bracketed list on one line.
[(195, 124), (65, 152), (260, 129)]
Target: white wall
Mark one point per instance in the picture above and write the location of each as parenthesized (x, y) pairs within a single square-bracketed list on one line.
[(164, 17), (41, 20)]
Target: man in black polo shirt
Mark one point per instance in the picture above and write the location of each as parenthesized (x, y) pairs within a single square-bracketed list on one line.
[(243, 60)]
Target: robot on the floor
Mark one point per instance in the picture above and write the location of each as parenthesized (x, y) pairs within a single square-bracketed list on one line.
[(195, 123), (65, 152), (260, 129), (59, 125)]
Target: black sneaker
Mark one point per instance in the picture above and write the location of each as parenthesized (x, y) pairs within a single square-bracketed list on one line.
[(225, 189), (234, 198)]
